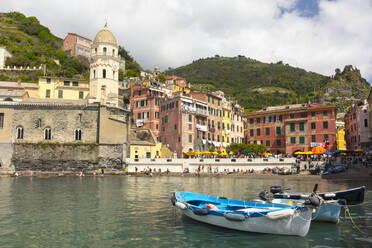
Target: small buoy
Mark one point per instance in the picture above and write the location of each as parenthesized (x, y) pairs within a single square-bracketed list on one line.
[(201, 211), (234, 217), (181, 205)]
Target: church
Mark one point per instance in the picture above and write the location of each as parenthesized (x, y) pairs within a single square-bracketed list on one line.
[(63, 135)]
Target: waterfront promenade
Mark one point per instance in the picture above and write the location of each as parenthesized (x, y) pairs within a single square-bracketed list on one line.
[(178, 165)]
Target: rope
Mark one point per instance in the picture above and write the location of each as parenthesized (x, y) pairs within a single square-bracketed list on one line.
[(347, 211)]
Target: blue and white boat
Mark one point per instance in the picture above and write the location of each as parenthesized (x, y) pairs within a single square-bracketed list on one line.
[(328, 211), (244, 215)]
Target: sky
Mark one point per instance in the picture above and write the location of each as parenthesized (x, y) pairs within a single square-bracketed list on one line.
[(317, 35)]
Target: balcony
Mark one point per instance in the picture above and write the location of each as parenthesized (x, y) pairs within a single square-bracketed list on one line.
[(194, 110)]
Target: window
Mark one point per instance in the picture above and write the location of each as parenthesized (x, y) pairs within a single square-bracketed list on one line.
[(190, 138), (209, 136), (19, 132), (303, 115), (218, 138), (60, 94), (212, 100), (291, 116), (47, 93), (157, 115), (267, 131), (1, 120), (95, 50), (325, 137), (148, 154), (251, 121), (228, 140), (280, 117), (313, 138), (142, 103), (209, 98), (78, 134), (278, 142), (212, 123), (190, 118), (223, 125), (365, 123), (166, 119), (66, 83), (175, 126), (293, 127), (258, 132), (278, 131), (302, 140), (75, 83), (293, 140), (104, 50), (47, 133), (258, 120), (302, 126), (312, 114), (251, 132), (325, 124), (48, 80), (94, 73), (139, 116), (190, 126), (113, 51), (223, 138), (313, 125), (268, 143), (81, 95), (104, 73), (325, 113)]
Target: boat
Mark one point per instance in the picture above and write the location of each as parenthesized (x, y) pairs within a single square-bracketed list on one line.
[(245, 215), (328, 211), (353, 196)]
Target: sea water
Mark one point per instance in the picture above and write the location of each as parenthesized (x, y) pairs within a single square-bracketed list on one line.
[(130, 211)]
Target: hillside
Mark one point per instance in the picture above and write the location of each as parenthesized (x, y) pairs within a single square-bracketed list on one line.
[(256, 85), (32, 44)]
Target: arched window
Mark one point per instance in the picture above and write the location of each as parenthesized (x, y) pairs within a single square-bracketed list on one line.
[(104, 73), (113, 52), (95, 50), (47, 133), (78, 134), (19, 132), (94, 73), (104, 50)]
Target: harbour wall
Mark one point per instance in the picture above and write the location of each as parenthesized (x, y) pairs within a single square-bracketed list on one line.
[(179, 165), (67, 157)]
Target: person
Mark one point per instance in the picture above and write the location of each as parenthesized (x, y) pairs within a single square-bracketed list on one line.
[(136, 169)]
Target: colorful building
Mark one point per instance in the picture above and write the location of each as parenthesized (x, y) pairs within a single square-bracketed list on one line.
[(75, 45), (184, 124), (63, 88), (237, 123), (226, 123), (292, 128), (357, 126), (31, 90), (340, 139), (145, 103), (177, 84)]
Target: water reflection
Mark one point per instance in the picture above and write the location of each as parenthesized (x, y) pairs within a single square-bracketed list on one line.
[(136, 212)]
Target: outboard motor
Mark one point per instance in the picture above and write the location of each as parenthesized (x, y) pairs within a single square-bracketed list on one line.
[(276, 189), (264, 195), (313, 201)]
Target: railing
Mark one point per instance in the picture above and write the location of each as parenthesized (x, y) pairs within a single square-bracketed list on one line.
[(195, 110)]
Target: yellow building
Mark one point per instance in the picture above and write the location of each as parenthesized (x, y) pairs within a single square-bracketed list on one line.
[(226, 124), (63, 88), (143, 144), (340, 139)]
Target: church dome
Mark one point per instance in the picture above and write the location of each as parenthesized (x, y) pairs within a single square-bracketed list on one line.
[(105, 36)]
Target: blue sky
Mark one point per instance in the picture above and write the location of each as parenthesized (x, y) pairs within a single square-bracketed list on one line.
[(317, 35)]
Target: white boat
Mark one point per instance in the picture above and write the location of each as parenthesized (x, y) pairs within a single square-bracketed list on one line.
[(329, 211), (244, 215)]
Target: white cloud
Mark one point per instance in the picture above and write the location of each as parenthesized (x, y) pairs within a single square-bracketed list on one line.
[(171, 33)]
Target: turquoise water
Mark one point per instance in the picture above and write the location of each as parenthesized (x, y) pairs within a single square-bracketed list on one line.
[(136, 212)]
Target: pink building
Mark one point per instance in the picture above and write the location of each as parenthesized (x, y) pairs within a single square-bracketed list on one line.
[(75, 44), (357, 126), (183, 124)]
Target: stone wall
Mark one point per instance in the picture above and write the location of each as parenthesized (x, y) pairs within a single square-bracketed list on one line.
[(6, 152), (66, 157), (63, 121)]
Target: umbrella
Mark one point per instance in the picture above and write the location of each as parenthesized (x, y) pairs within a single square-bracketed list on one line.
[(190, 153), (231, 153), (214, 153), (318, 150), (359, 150), (223, 154), (267, 153)]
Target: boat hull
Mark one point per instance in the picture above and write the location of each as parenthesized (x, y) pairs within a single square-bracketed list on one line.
[(327, 212), (298, 224)]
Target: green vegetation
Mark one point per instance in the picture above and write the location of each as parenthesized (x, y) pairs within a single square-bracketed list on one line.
[(32, 44), (246, 148), (133, 69), (256, 85)]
